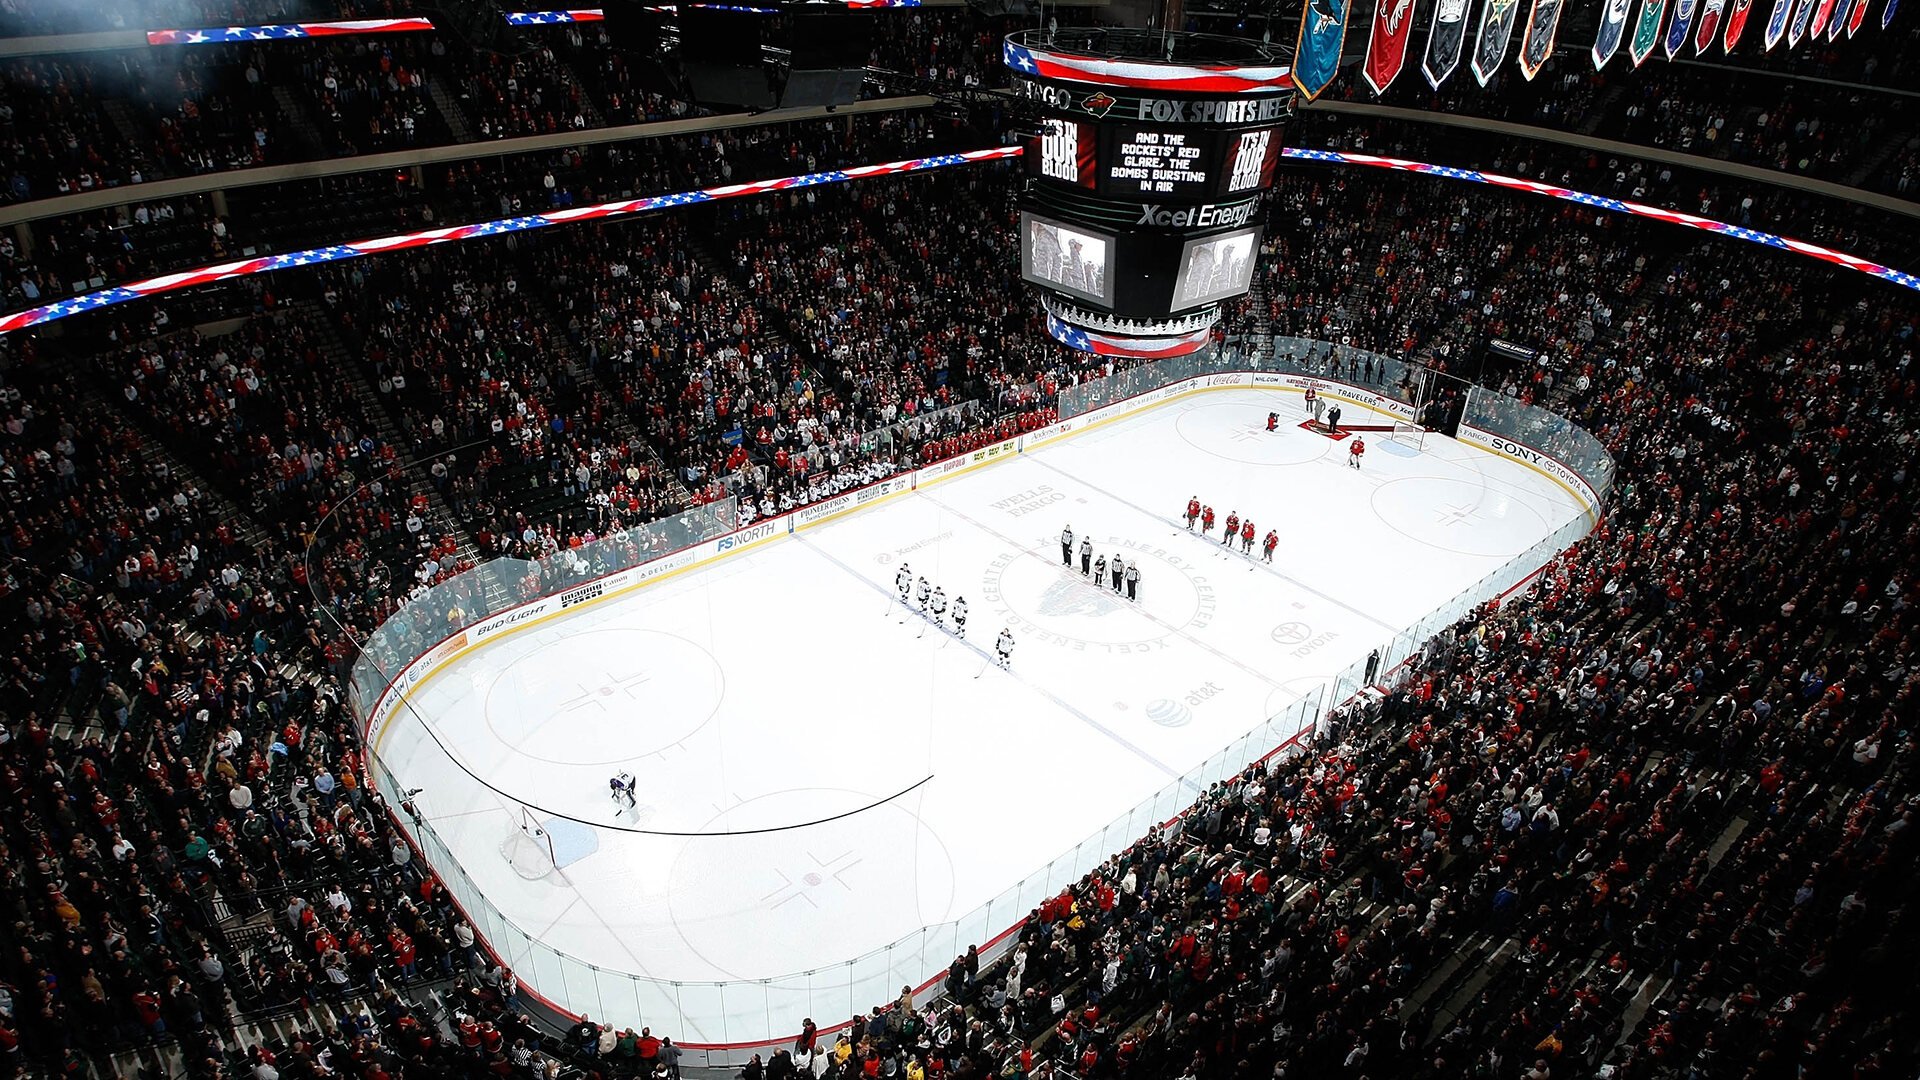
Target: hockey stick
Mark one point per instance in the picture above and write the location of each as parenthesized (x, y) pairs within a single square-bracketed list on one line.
[(983, 668), (924, 623)]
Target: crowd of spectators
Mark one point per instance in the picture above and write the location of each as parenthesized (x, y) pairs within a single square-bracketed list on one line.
[(1660, 801), (1848, 133)]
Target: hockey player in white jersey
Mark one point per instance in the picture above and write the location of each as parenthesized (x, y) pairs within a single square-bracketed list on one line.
[(621, 789), (960, 616), (922, 592), (939, 607), (903, 581), (1004, 646)]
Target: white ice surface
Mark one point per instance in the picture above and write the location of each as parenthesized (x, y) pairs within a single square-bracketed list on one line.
[(781, 686)]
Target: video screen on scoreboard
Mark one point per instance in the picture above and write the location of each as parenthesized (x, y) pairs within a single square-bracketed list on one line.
[(1173, 163), (1066, 257), (1215, 267)]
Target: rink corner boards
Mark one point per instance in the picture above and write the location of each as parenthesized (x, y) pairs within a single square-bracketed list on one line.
[(761, 533)]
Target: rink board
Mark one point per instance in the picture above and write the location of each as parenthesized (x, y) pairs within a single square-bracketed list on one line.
[(768, 679)]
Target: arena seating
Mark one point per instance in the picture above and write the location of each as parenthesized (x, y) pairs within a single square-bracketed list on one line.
[(1654, 814)]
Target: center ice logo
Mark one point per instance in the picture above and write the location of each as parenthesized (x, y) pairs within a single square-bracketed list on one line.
[(1072, 597)]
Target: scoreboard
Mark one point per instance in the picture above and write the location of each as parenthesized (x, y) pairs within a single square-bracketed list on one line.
[(1147, 164), (1127, 161)]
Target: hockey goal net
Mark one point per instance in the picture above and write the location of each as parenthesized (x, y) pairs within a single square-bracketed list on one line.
[(1408, 433), (527, 847)]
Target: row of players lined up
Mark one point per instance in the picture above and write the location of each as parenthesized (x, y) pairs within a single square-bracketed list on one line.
[(1126, 575), (932, 600), (1243, 530)]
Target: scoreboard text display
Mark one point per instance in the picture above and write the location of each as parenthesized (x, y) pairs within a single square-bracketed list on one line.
[(1131, 161)]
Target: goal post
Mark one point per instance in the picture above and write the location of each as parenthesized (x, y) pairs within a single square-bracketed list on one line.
[(527, 847), (1408, 433)]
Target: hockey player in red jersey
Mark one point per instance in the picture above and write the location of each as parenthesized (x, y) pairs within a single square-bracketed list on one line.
[(1246, 538), (1272, 541), (1356, 451), (1273, 421), (1233, 527), (1206, 520), (1193, 511)]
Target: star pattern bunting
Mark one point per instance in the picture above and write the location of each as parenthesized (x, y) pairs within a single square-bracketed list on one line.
[(265, 264), (118, 294), (1145, 348), (216, 35), (1601, 202), (1145, 75)]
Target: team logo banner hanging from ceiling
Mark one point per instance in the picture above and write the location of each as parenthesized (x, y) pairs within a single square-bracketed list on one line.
[(1613, 27), (1496, 30), (1445, 41), (1646, 32), (1776, 24), (1737, 22), (1543, 21), (1323, 29), (1709, 24), (1682, 22), (1802, 12), (1822, 14), (1387, 44)]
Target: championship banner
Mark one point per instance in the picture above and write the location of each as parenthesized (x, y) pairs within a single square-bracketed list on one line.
[(1855, 17), (1802, 12), (1316, 52), (1887, 15), (1839, 17), (1543, 22), (1822, 14), (1496, 30), (1613, 27), (1646, 32), (1445, 42), (1387, 44), (1682, 22), (1709, 25), (1777, 23), (1737, 22)]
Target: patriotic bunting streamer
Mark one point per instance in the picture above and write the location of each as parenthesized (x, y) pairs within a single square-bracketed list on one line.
[(1143, 75), (1646, 32), (1543, 22), (1602, 202), (1709, 25), (554, 18), (215, 35), (1802, 13), (1156, 348), (1387, 45), (1777, 23), (1613, 27), (1445, 42), (220, 34), (1736, 22), (1316, 52), (206, 275), (1496, 30), (1682, 22)]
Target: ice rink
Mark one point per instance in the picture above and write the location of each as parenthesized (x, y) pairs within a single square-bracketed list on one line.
[(787, 685)]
